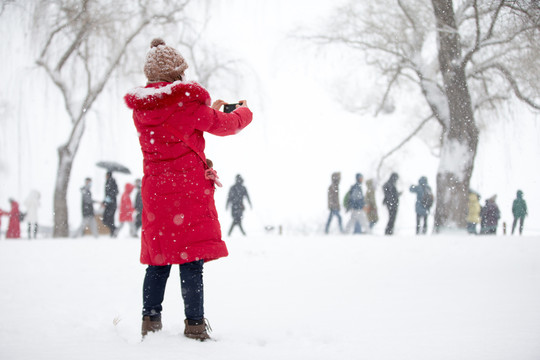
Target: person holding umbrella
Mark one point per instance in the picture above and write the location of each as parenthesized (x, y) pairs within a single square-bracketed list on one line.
[(111, 192), (180, 221)]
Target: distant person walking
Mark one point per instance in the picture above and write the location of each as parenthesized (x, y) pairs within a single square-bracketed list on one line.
[(490, 216), (473, 216), (32, 204), (235, 200), (519, 210), (355, 202), (391, 200), (87, 207), (14, 227), (371, 205), (125, 213), (111, 192), (424, 201), (333, 202), (138, 207)]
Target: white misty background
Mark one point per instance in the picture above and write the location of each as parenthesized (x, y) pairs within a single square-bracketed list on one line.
[(306, 123)]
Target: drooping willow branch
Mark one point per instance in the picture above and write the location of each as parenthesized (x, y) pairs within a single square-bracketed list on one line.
[(402, 143)]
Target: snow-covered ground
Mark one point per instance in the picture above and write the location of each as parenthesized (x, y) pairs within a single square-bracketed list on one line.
[(281, 297)]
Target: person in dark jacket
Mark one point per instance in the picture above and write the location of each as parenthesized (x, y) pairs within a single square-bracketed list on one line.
[(88, 218), (355, 203), (333, 202), (237, 193), (490, 215), (423, 203), (138, 207), (519, 210), (111, 192), (391, 200)]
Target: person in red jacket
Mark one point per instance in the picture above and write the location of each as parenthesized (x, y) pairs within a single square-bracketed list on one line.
[(125, 214), (14, 227), (180, 221)]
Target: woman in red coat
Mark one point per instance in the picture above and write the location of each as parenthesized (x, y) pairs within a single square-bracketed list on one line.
[(180, 221), (14, 227)]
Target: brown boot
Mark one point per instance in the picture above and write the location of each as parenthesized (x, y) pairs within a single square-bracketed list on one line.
[(150, 324), (197, 331)]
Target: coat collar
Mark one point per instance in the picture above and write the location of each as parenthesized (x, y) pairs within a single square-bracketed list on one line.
[(162, 94)]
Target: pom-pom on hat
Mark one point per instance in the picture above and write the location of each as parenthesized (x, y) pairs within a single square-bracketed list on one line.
[(163, 63)]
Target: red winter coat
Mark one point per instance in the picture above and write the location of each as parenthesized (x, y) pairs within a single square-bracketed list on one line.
[(179, 221), (126, 206), (14, 227)]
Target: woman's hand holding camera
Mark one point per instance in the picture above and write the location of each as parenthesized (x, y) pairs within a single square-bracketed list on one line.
[(218, 103)]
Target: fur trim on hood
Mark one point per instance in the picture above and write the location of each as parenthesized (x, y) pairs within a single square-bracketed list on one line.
[(162, 94)]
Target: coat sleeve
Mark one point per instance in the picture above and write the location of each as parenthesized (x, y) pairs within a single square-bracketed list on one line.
[(222, 124)]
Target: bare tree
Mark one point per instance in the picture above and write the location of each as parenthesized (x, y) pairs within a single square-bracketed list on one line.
[(465, 56), (205, 62), (84, 42)]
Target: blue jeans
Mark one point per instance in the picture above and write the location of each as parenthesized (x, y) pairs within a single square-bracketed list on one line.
[(521, 220), (418, 222), (191, 279), (332, 214), (471, 228)]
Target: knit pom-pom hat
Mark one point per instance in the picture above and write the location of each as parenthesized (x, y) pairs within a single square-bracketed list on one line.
[(163, 63)]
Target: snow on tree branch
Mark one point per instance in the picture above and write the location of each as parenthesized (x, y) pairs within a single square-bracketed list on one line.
[(515, 86)]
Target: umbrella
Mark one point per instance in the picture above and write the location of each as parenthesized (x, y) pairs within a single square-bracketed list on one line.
[(113, 166)]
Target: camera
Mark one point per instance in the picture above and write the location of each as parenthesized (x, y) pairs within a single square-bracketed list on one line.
[(229, 107)]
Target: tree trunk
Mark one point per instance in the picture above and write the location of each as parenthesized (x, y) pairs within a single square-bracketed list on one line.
[(460, 137), (61, 218), (66, 156)]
